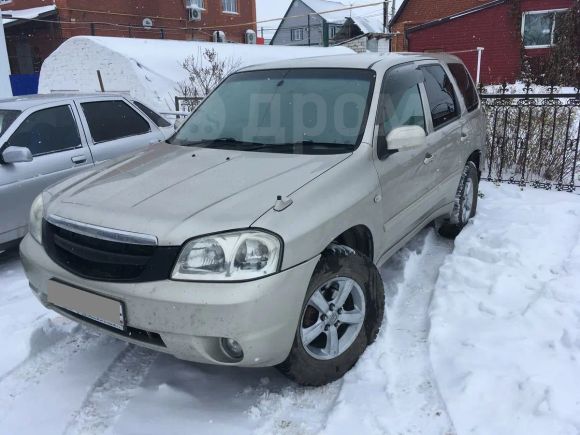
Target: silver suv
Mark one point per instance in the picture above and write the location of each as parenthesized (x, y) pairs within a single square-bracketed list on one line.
[(253, 237), (46, 138)]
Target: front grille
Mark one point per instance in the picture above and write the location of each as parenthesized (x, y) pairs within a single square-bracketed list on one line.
[(104, 260)]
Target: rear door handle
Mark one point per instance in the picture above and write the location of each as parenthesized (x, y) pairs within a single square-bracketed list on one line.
[(464, 136), (428, 158), (79, 160)]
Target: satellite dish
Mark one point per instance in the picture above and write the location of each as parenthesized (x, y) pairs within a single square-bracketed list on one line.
[(147, 23)]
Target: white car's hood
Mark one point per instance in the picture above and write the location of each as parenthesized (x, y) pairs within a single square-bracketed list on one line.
[(176, 193)]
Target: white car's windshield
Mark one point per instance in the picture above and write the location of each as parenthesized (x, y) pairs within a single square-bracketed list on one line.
[(298, 111), (7, 117)]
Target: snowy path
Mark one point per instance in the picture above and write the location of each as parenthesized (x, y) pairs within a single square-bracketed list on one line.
[(78, 381)]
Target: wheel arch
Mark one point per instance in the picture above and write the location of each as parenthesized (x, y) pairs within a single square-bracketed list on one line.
[(475, 157), (359, 238)]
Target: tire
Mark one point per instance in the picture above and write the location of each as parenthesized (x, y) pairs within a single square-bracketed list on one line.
[(465, 203), (338, 268)]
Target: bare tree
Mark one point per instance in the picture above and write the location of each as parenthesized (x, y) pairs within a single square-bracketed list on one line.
[(205, 71)]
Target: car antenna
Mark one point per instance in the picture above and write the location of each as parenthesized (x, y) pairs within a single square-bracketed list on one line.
[(282, 204)]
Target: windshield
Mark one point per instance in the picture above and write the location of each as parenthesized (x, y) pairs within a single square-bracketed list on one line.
[(7, 117), (296, 111)]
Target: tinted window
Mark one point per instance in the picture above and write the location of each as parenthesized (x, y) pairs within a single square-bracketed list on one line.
[(110, 120), (466, 86), (47, 131), (442, 100), (7, 117), (401, 103), (154, 116)]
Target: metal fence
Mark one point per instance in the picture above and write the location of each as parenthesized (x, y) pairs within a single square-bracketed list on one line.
[(533, 138), (186, 104)]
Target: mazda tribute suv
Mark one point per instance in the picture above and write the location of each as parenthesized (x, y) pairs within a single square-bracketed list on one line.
[(253, 236)]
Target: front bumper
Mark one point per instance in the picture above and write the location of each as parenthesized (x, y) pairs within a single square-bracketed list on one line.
[(190, 318)]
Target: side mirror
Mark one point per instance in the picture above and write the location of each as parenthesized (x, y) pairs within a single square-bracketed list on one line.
[(407, 137), (16, 155)]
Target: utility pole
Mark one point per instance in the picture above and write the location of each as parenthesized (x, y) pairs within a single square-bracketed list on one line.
[(5, 87), (309, 40), (386, 16)]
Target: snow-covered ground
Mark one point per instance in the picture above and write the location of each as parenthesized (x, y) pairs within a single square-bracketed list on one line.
[(482, 336)]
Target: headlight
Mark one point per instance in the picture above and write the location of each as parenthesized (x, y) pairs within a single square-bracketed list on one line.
[(36, 215), (235, 256)]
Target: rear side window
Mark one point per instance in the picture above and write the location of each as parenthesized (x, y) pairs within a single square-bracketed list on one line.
[(47, 131), (110, 120), (466, 86), (442, 99), (154, 116)]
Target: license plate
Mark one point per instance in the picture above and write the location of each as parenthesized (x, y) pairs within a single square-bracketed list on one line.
[(98, 308)]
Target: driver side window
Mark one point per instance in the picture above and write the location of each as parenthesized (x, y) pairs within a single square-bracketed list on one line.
[(47, 131), (401, 103)]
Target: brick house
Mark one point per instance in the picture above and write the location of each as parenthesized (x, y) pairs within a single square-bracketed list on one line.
[(511, 33), (412, 13), (35, 28)]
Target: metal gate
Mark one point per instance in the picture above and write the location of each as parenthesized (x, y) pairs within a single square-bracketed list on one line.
[(532, 138)]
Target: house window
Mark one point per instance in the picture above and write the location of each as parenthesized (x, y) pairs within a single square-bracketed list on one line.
[(297, 34), (332, 31), (197, 4), (539, 28), (230, 6)]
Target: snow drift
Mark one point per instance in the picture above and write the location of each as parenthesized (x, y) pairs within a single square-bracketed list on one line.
[(147, 69)]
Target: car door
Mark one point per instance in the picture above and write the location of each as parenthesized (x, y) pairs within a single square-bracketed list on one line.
[(404, 175), (444, 141), (51, 132), (473, 122), (115, 128)]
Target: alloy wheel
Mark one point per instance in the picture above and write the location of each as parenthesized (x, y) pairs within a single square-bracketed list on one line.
[(333, 318)]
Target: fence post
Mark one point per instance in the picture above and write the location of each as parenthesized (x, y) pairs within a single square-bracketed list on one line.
[(479, 56)]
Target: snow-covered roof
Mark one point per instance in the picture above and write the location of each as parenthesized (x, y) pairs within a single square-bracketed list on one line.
[(365, 18), (148, 69), (27, 13)]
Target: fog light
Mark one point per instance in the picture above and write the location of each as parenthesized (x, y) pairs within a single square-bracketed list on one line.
[(232, 348)]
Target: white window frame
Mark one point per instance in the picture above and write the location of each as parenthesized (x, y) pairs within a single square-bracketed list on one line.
[(230, 7), (292, 34), (547, 11), (199, 4)]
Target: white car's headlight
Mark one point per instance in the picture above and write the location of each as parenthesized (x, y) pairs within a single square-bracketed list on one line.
[(36, 215), (233, 256)]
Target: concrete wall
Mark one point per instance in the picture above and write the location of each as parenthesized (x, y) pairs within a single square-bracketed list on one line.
[(298, 8)]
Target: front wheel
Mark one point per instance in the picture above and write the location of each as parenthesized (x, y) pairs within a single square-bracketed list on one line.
[(465, 205), (340, 317)]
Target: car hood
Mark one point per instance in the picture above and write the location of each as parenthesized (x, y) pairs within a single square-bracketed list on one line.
[(176, 193)]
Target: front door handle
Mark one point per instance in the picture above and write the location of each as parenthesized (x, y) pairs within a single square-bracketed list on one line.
[(79, 160), (428, 158)]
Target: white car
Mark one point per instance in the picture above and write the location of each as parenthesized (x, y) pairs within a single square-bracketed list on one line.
[(46, 138)]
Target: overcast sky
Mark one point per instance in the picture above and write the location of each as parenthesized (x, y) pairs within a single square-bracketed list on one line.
[(277, 8)]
